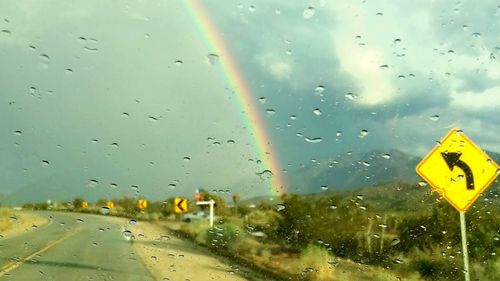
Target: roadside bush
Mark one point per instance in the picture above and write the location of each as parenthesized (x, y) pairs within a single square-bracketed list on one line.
[(314, 260), (223, 236), (196, 230)]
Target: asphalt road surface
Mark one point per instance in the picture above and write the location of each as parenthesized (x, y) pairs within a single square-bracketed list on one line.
[(72, 247)]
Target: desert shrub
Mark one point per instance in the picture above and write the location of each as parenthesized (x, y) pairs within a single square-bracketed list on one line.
[(315, 261), (221, 237)]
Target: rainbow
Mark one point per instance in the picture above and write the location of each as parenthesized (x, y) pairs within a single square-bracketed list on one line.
[(245, 99)]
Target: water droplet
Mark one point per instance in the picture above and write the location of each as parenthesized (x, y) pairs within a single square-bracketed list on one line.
[(386, 156), (6, 32), (280, 207), (125, 114), (288, 52), (363, 133), (252, 8), (186, 159), (114, 144), (178, 62), (359, 197), (317, 111), (397, 41), (319, 90), (18, 133), (231, 142), (172, 186), (265, 175), (45, 58), (93, 183), (153, 119), (422, 183), (270, 111), (32, 91), (313, 140), (496, 238), (45, 163), (382, 225), (132, 222), (113, 185), (395, 241), (293, 117), (213, 59), (324, 187), (384, 66), (397, 261), (79, 221), (366, 164), (127, 234), (333, 207), (379, 14), (308, 12), (434, 118), (351, 96), (104, 210), (13, 219), (95, 140), (476, 35), (69, 71), (262, 100)]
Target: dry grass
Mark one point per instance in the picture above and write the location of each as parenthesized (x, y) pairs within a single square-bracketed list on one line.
[(5, 219)]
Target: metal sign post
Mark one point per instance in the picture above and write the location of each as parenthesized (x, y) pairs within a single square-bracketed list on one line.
[(470, 169), (211, 203), (465, 252)]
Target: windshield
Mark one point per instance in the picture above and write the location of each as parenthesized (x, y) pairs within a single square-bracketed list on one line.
[(249, 140)]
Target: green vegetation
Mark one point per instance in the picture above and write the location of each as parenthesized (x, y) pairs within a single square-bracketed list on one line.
[(378, 233)]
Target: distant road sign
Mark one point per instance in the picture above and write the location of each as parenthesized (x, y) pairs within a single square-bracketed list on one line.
[(110, 204), (180, 205), (458, 169), (197, 195), (85, 204), (142, 203)]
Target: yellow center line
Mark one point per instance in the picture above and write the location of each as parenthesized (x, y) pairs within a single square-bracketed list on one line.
[(15, 264)]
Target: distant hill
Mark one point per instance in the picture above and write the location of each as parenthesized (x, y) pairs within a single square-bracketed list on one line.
[(353, 171)]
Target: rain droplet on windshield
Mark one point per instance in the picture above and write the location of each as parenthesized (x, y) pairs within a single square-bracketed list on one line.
[(45, 163), (434, 118), (113, 185), (114, 144), (213, 59), (266, 174), (386, 156), (93, 183), (319, 90), (104, 210), (317, 111), (313, 140), (18, 133), (178, 62), (280, 207), (262, 100), (351, 96), (186, 159), (363, 133), (270, 111), (308, 12)]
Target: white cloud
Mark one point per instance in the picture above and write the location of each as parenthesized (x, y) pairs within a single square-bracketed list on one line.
[(277, 67)]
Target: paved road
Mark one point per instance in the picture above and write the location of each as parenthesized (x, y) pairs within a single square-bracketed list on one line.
[(72, 247)]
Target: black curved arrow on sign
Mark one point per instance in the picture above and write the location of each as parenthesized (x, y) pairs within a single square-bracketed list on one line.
[(453, 159), (179, 205)]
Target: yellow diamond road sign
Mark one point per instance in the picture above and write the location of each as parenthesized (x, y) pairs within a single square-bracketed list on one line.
[(458, 169), (180, 205)]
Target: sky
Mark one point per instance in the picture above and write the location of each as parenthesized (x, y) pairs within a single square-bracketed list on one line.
[(104, 96)]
